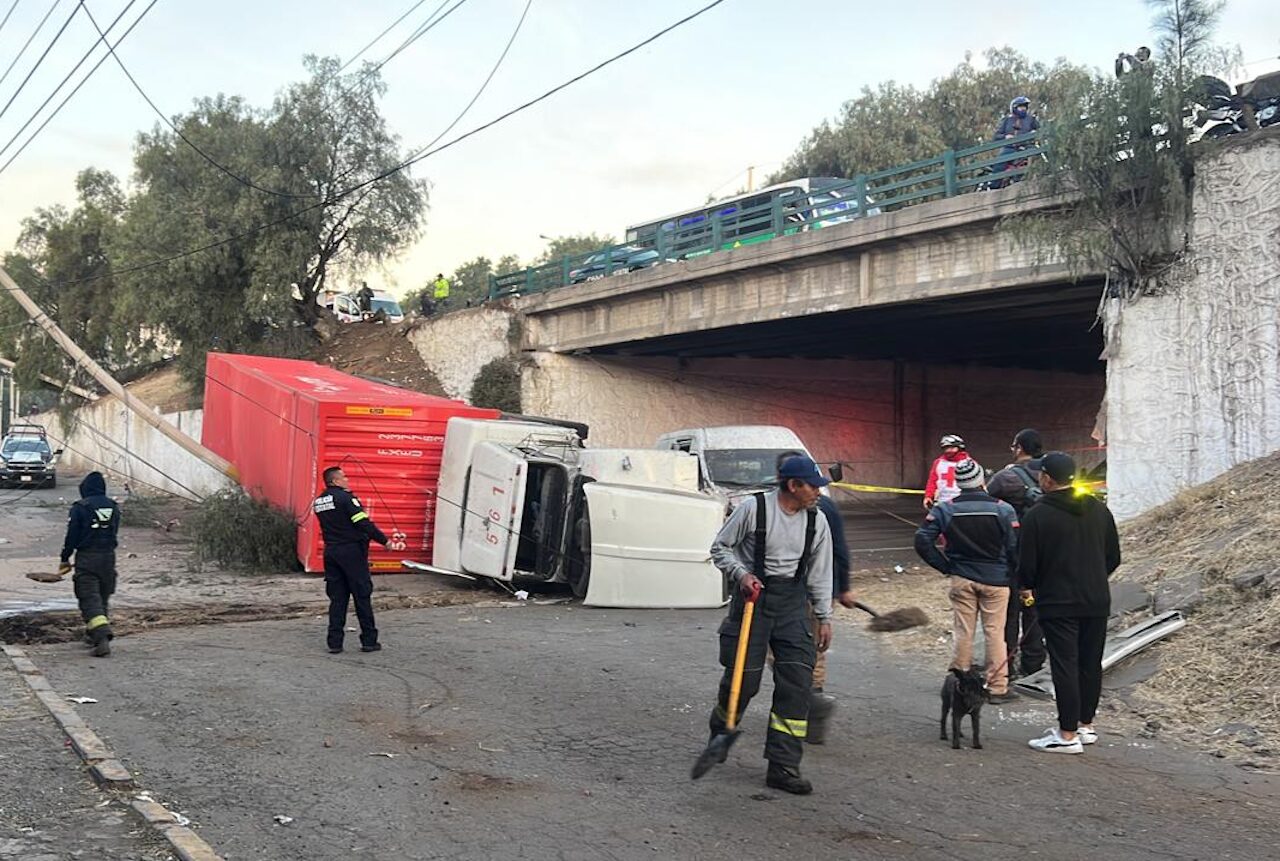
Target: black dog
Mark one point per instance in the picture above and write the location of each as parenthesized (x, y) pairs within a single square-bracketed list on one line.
[(963, 693)]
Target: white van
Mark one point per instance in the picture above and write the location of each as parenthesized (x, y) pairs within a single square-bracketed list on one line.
[(525, 502), (735, 460)]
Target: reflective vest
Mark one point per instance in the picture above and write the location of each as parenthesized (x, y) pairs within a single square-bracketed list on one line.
[(441, 286)]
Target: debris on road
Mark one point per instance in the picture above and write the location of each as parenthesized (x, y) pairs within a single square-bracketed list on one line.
[(383, 753), (522, 595), (282, 820), (80, 700)]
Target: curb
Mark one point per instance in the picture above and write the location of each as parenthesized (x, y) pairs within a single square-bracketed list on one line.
[(103, 764)]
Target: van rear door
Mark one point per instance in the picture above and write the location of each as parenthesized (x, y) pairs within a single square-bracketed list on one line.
[(494, 503)]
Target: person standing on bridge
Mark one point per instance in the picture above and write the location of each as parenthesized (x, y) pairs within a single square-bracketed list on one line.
[(347, 531), (777, 551), (1019, 121), (941, 485), (440, 291), (91, 538)]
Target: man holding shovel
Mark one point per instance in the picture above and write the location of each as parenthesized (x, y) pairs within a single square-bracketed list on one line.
[(776, 550)]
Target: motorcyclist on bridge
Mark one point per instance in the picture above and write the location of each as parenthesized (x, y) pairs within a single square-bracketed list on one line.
[(1018, 121)]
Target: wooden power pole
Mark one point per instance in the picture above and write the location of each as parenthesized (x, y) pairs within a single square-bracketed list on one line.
[(109, 382)]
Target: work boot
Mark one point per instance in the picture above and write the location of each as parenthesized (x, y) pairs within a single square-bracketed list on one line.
[(821, 707), (788, 779), (101, 641)]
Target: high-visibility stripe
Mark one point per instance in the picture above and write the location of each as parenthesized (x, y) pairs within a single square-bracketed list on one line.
[(793, 728), (358, 516), (96, 622)]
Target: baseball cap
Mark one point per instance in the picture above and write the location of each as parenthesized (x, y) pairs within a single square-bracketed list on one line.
[(803, 468), (1059, 466), (969, 474)]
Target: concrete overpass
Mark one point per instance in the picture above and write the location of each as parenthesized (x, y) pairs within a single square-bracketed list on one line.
[(933, 282)]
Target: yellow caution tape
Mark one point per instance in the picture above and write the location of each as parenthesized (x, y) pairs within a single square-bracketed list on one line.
[(871, 488)]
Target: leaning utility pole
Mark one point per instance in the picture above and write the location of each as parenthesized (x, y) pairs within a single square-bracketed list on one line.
[(109, 382)]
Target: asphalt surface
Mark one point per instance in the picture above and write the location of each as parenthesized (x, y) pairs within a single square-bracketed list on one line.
[(557, 732), (50, 808)]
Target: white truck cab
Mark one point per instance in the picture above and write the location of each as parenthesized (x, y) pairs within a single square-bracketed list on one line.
[(735, 460), (525, 502)]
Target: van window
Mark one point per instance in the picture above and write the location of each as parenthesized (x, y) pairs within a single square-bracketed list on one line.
[(743, 467)]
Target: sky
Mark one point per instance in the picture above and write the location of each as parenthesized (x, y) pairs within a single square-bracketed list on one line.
[(654, 133)]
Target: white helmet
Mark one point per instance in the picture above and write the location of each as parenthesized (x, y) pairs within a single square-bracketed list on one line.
[(951, 440)]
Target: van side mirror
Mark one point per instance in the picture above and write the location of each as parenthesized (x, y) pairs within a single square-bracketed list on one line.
[(57, 452), (836, 471)]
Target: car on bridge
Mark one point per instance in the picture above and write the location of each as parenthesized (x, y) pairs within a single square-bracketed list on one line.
[(613, 261)]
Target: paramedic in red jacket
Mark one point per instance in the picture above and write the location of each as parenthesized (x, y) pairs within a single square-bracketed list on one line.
[(941, 486)]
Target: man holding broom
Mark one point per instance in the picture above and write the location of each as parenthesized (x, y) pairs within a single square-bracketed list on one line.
[(776, 550)]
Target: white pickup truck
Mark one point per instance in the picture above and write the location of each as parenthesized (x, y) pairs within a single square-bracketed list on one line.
[(524, 502)]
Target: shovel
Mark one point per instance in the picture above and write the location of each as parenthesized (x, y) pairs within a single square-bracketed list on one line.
[(718, 748)]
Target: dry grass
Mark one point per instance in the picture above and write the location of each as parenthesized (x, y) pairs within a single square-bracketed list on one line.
[(1224, 667)]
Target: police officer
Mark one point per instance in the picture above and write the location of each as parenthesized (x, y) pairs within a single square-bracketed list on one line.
[(440, 291), (91, 538), (347, 532), (777, 547)]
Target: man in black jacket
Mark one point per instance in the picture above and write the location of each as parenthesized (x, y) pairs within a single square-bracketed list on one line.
[(982, 541), (347, 531), (91, 537), (1069, 549), (1019, 485)]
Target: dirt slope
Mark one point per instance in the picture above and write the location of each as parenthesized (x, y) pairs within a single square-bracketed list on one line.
[(378, 350)]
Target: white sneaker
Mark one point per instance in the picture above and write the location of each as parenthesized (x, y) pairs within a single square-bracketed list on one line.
[(1053, 742), (1087, 736)]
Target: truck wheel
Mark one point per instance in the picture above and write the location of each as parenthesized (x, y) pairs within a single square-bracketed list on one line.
[(578, 570)]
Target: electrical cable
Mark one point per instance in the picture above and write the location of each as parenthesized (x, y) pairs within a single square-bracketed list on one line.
[(102, 37), (177, 131), (63, 104), (493, 71), (7, 15), (376, 39), (56, 37), (30, 39), (416, 157)]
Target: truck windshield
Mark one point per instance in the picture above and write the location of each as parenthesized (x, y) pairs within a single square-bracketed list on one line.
[(12, 446), (743, 467)]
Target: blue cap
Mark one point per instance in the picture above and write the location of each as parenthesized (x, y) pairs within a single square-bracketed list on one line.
[(803, 468)]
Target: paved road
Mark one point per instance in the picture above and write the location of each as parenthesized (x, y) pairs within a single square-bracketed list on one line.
[(557, 732), (50, 809)]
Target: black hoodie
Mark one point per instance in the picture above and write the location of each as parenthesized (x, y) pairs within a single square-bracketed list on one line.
[(1069, 549), (94, 520)]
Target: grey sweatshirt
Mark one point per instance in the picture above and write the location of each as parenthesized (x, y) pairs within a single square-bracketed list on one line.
[(733, 551)]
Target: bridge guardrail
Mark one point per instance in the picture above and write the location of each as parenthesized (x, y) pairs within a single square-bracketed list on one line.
[(952, 173)]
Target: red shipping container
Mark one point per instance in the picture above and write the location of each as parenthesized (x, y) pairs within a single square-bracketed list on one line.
[(281, 422)]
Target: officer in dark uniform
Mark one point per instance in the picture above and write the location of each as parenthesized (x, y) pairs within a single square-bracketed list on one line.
[(91, 537), (347, 532)]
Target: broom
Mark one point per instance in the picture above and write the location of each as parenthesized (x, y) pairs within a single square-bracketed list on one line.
[(895, 620)]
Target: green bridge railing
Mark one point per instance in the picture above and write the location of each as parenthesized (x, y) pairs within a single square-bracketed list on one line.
[(947, 175)]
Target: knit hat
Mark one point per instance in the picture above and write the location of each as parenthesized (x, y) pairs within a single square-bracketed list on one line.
[(1059, 466), (969, 475)]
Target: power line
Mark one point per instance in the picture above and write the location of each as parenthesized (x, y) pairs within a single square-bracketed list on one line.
[(416, 157), (376, 39), (165, 119), (54, 41), (30, 39), (7, 15), (492, 72), (102, 37), (68, 98)]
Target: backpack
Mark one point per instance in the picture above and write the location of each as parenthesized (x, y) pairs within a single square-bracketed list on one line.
[(1031, 492)]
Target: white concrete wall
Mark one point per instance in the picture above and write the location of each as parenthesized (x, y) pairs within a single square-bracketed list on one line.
[(455, 346), (850, 411), (1193, 379), (115, 441)]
